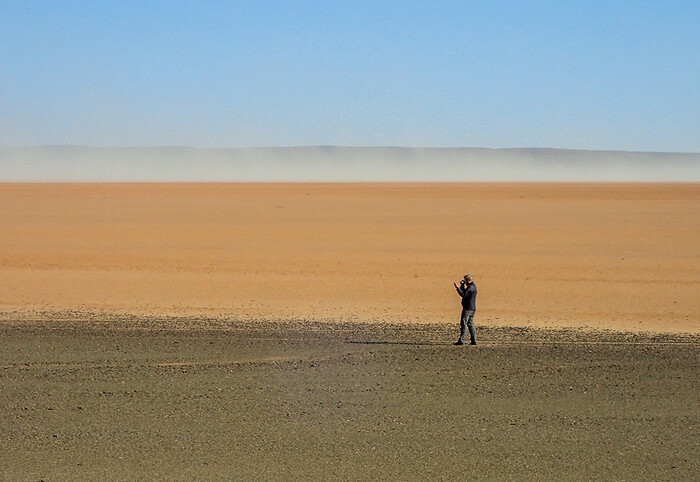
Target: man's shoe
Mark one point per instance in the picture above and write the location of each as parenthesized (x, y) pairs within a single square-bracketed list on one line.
[(458, 343), (473, 343)]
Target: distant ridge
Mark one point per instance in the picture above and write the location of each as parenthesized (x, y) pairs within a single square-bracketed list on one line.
[(340, 164)]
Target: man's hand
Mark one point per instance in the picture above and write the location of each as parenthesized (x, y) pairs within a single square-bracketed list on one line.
[(456, 287)]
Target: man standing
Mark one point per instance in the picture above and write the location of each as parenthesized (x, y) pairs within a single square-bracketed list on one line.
[(467, 290)]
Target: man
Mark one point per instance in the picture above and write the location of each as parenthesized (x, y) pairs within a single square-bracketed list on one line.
[(467, 290)]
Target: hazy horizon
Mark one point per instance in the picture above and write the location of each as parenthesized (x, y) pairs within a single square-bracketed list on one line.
[(340, 164)]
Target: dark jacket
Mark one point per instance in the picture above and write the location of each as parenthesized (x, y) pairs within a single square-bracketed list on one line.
[(468, 296)]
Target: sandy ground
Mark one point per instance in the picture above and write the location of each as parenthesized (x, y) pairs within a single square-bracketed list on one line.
[(619, 256), (202, 399)]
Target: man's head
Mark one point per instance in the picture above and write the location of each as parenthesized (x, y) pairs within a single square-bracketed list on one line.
[(468, 278)]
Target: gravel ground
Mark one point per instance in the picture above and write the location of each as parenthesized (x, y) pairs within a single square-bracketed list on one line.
[(202, 399)]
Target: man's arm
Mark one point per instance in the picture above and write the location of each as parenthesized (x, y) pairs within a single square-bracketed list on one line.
[(460, 291)]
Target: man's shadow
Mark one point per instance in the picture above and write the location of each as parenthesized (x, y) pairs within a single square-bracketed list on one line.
[(410, 343)]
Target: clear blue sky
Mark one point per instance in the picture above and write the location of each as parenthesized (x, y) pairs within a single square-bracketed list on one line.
[(572, 74)]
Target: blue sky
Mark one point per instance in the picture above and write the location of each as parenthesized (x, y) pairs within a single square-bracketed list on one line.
[(571, 74)]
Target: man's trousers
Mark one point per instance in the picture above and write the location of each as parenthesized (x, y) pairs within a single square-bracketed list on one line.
[(467, 321)]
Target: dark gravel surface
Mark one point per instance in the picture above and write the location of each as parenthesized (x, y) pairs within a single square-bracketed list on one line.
[(202, 399)]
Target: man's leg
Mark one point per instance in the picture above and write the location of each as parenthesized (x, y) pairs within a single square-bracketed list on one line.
[(470, 325), (463, 325)]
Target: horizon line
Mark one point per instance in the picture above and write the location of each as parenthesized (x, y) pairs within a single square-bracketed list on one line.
[(338, 146)]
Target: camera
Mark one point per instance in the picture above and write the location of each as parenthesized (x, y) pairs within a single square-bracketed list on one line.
[(462, 283)]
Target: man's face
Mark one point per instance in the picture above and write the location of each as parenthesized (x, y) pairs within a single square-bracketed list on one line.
[(466, 280)]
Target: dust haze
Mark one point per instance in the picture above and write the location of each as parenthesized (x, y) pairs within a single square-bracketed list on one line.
[(340, 164)]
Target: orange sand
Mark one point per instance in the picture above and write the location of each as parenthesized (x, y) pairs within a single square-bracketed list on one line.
[(620, 256)]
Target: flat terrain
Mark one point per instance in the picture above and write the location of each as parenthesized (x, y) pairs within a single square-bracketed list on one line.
[(169, 399), (619, 256), (303, 331)]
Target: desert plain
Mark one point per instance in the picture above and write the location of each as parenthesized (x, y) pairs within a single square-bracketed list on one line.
[(284, 331)]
